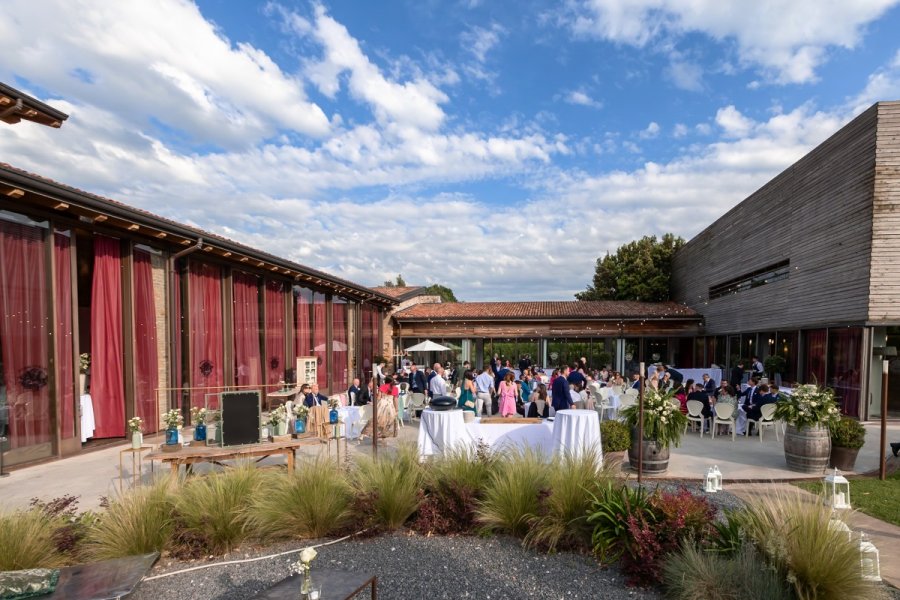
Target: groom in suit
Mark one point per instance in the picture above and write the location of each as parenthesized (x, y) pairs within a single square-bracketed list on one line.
[(560, 393)]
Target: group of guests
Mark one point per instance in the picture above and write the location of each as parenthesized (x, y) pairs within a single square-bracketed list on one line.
[(750, 400)]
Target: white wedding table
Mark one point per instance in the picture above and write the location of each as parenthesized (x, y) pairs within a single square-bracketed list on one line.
[(500, 436), (350, 415), (87, 417), (697, 374), (442, 431), (576, 431)]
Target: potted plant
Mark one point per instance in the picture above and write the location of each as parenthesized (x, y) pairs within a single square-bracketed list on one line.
[(301, 412), (135, 428), (173, 421), (847, 436), (198, 418), (775, 365), (84, 369), (333, 414), (808, 411), (278, 421), (213, 428), (663, 426), (616, 439)]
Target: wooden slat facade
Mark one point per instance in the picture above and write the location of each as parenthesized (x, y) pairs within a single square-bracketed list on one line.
[(884, 282)]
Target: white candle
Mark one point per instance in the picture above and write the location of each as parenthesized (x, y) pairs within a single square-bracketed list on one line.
[(839, 499)]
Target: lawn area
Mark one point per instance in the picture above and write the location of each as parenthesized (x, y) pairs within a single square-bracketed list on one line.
[(876, 498)]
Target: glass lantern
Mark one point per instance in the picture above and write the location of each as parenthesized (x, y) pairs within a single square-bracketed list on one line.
[(710, 482), (868, 559), (835, 524), (718, 475), (837, 491)]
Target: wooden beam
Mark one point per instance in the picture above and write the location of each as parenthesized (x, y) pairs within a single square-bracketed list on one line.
[(4, 100), (185, 242), (100, 218), (226, 254), (260, 264), (15, 193), (275, 269), (61, 206), (244, 259), (134, 227), (161, 234), (207, 248)]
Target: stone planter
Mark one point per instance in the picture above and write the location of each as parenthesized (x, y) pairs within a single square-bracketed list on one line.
[(843, 458), (807, 450), (656, 458)]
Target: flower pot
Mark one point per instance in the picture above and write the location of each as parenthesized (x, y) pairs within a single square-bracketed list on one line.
[(172, 436), (200, 432), (843, 458), (655, 458), (299, 426), (808, 449), (333, 416), (281, 428), (212, 434), (137, 439)]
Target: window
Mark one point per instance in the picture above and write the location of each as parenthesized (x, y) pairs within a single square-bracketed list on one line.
[(769, 274)]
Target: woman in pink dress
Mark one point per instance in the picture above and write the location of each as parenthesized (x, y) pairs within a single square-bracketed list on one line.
[(508, 396)]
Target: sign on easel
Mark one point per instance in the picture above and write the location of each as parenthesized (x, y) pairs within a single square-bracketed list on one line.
[(307, 370)]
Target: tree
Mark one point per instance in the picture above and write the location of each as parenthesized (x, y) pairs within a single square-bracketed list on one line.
[(640, 270), (400, 282), (444, 292)]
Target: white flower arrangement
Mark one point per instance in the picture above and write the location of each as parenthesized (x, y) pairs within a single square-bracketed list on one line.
[(173, 419), (278, 415), (135, 425), (198, 415), (301, 411), (807, 406)]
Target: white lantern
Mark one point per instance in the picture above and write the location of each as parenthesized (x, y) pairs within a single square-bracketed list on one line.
[(868, 559), (835, 524), (837, 491), (718, 475), (710, 482)]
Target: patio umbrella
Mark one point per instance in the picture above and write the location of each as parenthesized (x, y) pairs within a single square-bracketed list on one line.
[(336, 346), (427, 346)]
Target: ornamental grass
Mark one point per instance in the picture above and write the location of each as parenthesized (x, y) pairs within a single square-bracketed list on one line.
[(137, 522), (217, 506), (388, 489), (454, 485), (312, 502), (514, 493), (27, 540)]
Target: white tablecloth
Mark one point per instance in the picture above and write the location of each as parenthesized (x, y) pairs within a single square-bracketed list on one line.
[(441, 431), (502, 435), (87, 417), (350, 415), (575, 431), (697, 374)]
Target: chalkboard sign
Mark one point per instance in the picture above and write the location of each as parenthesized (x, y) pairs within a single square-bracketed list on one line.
[(240, 417)]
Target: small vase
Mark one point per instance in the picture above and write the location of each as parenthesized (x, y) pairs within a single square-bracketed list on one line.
[(171, 436), (299, 426), (333, 416), (281, 428), (137, 439), (306, 585), (180, 436), (200, 432)]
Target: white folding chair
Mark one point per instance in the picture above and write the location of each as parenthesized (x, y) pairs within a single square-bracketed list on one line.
[(724, 416), (604, 402), (416, 403), (766, 420), (695, 415)]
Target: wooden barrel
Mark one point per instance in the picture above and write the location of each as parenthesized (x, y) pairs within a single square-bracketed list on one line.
[(656, 459), (807, 450)]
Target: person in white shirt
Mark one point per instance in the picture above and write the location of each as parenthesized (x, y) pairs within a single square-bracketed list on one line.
[(484, 386), (437, 385)]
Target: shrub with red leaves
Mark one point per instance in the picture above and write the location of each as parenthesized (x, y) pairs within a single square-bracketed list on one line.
[(450, 508)]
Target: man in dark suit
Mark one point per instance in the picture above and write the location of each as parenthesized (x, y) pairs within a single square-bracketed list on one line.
[(576, 377), (355, 392), (708, 384), (697, 392), (674, 374), (312, 397), (636, 381), (499, 374), (737, 376), (417, 383), (763, 397), (561, 398)]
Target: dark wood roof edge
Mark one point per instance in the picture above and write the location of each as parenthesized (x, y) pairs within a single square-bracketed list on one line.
[(46, 187), (32, 103)]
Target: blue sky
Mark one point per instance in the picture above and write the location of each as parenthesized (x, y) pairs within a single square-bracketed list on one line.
[(495, 147)]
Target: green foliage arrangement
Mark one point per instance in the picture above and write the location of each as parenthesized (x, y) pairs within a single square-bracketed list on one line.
[(807, 406), (640, 270), (774, 364), (848, 433), (662, 421), (388, 489), (216, 506), (136, 523), (513, 493), (616, 436), (27, 540), (608, 514), (312, 502)]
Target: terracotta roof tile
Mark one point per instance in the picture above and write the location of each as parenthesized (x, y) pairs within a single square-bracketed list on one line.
[(397, 291), (548, 310)]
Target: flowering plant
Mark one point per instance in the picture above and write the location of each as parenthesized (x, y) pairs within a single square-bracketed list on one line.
[(198, 415), (334, 402), (663, 421), (278, 415), (85, 362), (301, 567), (135, 425), (173, 419), (301, 411), (807, 406)]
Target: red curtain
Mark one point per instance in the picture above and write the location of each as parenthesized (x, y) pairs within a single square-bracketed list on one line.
[(146, 365), (107, 376), (302, 344), (206, 344), (275, 359), (339, 345), (844, 367), (246, 329), (320, 350), (815, 355), (23, 335), (65, 367)]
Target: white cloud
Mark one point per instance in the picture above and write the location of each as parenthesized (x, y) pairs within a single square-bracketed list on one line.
[(786, 39), (581, 98), (883, 84), (680, 130), (686, 75), (651, 131), (478, 41), (732, 122)]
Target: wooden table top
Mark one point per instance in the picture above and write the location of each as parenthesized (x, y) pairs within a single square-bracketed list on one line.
[(202, 451)]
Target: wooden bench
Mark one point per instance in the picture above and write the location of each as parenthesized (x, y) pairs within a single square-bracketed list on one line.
[(189, 455)]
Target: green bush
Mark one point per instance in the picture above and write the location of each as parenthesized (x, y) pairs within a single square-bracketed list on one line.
[(216, 506), (848, 433), (138, 522), (562, 521), (610, 508), (615, 435), (513, 493), (454, 485), (793, 534), (388, 489), (312, 502), (27, 542), (774, 364), (691, 574)]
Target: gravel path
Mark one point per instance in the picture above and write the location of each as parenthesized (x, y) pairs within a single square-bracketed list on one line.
[(412, 567)]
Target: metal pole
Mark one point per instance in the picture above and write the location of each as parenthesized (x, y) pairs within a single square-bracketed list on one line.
[(374, 415), (882, 467), (2, 473), (641, 425)]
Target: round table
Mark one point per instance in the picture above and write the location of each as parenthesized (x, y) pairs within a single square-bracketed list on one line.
[(576, 431), (442, 431)]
